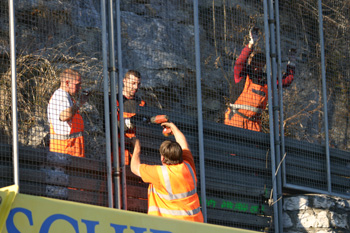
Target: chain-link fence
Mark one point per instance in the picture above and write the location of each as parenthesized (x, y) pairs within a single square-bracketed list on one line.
[(321, 79), (254, 60), (52, 38)]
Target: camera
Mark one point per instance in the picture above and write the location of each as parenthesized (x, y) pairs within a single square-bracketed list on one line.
[(255, 30), (86, 92), (292, 51)]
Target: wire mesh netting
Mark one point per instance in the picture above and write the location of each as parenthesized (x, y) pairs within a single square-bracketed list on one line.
[(226, 104), (337, 52), (162, 50), (58, 49), (232, 55), (6, 163), (304, 103)]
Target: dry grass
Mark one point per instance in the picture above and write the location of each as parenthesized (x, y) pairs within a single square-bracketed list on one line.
[(37, 79)]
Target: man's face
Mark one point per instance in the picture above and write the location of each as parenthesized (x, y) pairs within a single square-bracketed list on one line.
[(131, 85), (257, 67), (74, 83)]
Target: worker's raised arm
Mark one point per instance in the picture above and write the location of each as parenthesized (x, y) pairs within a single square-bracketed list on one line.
[(135, 159), (179, 136)]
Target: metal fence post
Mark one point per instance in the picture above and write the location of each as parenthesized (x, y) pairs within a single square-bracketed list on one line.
[(279, 73), (14, 91), (279, 95), (121, 104), (112, 70), (272, 139), (199, 111), (106, 105), (276, 134), (324, 95)]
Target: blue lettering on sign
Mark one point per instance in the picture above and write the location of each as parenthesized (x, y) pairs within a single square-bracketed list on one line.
[(90, 225), (119, 228), (138, 229), (158, 231), (11, 228), (45, 227)]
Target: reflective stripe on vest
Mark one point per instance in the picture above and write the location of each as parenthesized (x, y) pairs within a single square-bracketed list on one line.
[(252, 101), (174, 212), (245, 107), (65, 137), (258, 92), (171, 195)]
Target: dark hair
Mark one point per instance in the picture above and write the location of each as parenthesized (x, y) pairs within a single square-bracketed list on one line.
[(171, 151), (132, 72), (258, 57)]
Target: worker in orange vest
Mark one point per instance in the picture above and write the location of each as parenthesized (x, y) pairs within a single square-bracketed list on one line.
[(131, 84), (246, 111), (173, 185), (66, 124)]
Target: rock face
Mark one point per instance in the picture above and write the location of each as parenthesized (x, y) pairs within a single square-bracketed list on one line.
[(316, 213), (158, 40)]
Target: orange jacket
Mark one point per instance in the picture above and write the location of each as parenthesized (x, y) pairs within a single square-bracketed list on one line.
[(246, 111), (73, 143), (130, 107), (174, 192)]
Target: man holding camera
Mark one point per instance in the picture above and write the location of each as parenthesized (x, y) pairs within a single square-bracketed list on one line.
[(66, 124), (131, 82), (247, 109)]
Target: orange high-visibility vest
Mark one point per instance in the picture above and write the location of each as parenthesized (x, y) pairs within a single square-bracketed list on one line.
[(73, 143), (129, 111), (246, 111), (177, 196)]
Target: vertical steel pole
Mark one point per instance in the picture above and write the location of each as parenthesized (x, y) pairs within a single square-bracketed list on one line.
[(121, 104), (281, 148), (275, 112), (113, 100), (106, 103), (279, 62), (199, 111), (14, 92), (272, 139), (324, 96)]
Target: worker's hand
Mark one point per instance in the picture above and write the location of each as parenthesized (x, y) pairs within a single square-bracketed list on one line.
[(132, 141), (167, 128), (254, 35), (82, 99), (292, 57), (128, 124), (168, 125)]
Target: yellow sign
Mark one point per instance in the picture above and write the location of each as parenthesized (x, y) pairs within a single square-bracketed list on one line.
[(32, 214)]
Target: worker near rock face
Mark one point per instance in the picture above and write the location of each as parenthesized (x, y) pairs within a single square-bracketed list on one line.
[(172, 188), (66, 123), (131, 84), (247, 109)]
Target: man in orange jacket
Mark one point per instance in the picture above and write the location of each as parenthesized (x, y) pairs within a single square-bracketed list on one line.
[(131, 82), (173, 185), (246, 111), (66, 124)]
